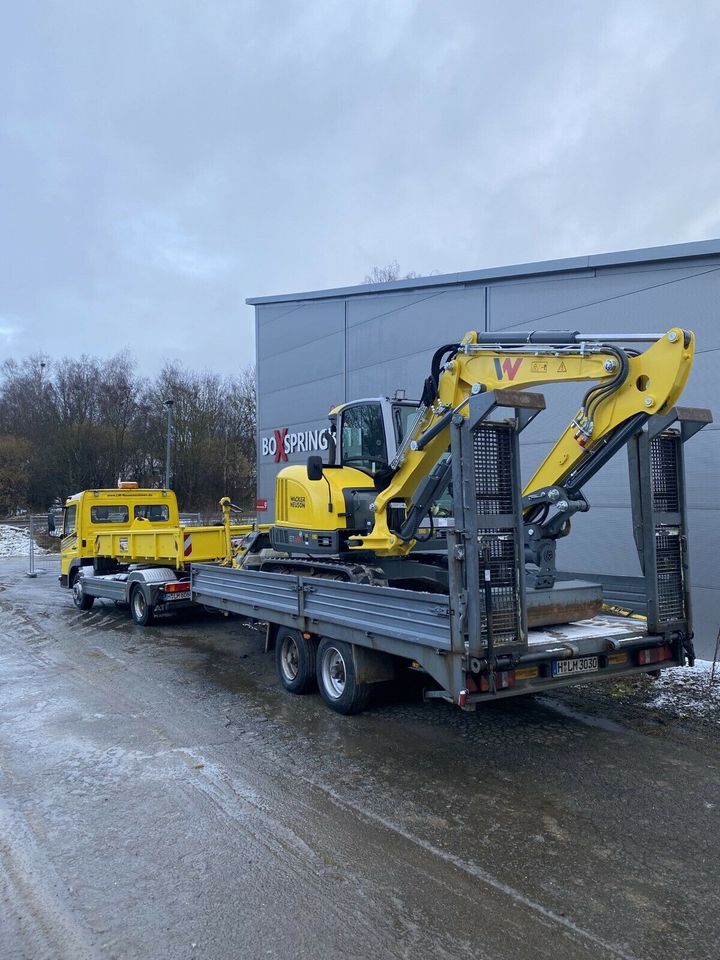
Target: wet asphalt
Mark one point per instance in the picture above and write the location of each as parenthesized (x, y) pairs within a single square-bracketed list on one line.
[(162, 797)]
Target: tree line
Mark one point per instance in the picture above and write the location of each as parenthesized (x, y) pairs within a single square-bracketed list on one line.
[(81, 423)]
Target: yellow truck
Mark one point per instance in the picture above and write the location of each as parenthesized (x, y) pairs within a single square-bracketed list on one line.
[(128, 544)]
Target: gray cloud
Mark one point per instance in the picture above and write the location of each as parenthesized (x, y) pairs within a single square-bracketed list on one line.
[(160, 162)]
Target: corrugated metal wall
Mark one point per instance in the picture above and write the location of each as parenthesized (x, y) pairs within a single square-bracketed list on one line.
[(315, 351)]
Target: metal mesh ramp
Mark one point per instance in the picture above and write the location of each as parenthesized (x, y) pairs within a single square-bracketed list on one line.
[(664, 473), (665, 480), (492, 446), (492, 473)]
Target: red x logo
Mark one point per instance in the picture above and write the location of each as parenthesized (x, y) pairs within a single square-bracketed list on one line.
[(280, 444)]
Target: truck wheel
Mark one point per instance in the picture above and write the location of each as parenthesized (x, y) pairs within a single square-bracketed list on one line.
[(337, 680), (295, 660), (140, 610), (81, 600)]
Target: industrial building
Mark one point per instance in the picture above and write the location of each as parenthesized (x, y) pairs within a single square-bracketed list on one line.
[(317, 349)]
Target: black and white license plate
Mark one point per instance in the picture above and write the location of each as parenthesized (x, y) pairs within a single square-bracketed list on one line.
[(568, 668), (185, 595)]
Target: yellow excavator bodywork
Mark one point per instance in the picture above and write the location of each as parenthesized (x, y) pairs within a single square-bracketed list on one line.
[(653, 381)]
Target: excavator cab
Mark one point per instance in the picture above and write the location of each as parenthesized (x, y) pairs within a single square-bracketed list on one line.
[(371, 432), (319, 507)]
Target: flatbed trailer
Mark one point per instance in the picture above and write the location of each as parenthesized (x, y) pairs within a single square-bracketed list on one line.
[(387, 628), (474, 643)]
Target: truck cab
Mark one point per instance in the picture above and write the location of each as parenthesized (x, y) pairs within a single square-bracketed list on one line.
[(91, 512)]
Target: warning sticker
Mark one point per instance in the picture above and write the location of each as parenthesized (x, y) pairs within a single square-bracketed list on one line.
[(562, 368)]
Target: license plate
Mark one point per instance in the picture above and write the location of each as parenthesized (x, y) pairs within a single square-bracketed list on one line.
[(180, 596), (566, 668)]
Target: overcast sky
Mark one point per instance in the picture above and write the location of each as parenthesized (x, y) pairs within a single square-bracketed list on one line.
[(162, 160)]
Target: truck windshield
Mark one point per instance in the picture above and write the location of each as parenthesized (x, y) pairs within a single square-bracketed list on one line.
[(363, 437)]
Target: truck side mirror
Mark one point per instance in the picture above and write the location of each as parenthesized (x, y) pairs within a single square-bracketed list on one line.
[(314, 468)]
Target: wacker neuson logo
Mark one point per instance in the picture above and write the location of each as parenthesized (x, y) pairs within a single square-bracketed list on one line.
[(283, 442)]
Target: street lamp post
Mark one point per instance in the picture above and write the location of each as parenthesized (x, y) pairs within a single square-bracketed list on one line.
[(31, 572), (168, 447)]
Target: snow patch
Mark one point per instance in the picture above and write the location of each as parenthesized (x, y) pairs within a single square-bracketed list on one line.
[(16, 543), (688, 691)]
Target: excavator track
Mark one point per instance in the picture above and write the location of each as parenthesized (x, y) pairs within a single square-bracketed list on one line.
[(347, 572)]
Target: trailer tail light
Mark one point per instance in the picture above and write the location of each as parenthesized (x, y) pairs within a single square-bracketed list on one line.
[(177, 586), (504, 679), (654, 655)]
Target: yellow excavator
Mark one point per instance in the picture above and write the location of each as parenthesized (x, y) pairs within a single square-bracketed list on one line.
[(377, 505)]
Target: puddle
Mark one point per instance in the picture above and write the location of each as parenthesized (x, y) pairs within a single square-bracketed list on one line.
[(599, 723)]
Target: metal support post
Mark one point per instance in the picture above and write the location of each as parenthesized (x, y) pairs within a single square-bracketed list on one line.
[(31, 566), (168, 445)]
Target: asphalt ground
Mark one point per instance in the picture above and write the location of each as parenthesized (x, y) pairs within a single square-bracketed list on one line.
[(162, 797)]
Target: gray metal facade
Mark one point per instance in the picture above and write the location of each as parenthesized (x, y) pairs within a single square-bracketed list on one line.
[(318, 349)]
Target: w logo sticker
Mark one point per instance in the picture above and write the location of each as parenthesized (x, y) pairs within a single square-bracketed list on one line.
[(508, 368)]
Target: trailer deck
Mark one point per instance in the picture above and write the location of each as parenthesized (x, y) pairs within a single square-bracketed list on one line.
[(417, 627)]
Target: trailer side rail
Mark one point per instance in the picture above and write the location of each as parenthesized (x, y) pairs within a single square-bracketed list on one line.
[(390, 619)]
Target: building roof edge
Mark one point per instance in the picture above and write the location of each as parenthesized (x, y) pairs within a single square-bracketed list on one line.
[(676, 251)]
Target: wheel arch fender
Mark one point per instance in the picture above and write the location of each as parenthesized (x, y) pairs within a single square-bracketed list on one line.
[(271, 632), (372, 666), (150, 587), (76, 564), (137, 583)]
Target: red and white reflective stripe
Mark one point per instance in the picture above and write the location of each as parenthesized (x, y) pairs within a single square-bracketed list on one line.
[(188, 544)]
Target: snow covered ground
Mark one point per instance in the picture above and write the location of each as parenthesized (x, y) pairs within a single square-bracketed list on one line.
[(16, 543), (687, 691)]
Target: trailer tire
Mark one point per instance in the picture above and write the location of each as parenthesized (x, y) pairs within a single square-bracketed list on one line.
[(81, 600), (295, 660), (140, 608), (337, 677)]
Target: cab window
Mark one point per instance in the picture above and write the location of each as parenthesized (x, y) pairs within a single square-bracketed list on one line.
[(403, 415), (154, 512), (69, 518), (113, 513), (363, 437)]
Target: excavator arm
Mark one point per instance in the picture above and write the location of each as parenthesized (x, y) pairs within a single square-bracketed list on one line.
[(628, 387)]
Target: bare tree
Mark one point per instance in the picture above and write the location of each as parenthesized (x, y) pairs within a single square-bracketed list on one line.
[(388, 273), (15, 456), (240, 428), (85, 422)]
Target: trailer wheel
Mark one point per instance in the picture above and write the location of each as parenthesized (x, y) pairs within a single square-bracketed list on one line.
[(81, 600), (295, 659), (337, 679), (140, 610)]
